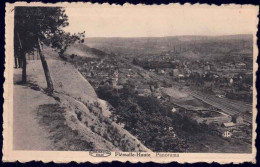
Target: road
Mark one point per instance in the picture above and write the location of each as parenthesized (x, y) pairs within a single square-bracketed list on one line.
[(27, 133)]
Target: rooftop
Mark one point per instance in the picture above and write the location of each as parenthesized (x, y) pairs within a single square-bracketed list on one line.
[(229, 124)]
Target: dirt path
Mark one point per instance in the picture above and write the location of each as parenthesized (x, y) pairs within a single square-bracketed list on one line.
[(28, 134)]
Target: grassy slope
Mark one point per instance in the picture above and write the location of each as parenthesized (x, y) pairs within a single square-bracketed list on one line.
[(78, 118)]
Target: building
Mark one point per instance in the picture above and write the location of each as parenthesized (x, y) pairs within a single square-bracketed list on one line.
[(174, 110), (181, 76), (161, 71), (115, 78), (237, 119), (229, 125), (207, 67), (226, 134), (231, 81), (143, 90), (241, 65), (176, 72)]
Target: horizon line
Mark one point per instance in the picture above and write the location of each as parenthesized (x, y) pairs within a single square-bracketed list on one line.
[(169, 36)]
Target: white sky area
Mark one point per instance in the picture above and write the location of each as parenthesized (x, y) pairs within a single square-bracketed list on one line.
[(157, 21)]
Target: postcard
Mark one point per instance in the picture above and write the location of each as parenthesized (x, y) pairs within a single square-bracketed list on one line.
[(98, 83)]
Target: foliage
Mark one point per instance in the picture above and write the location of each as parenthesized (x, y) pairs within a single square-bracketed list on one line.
[(32, 23), (45, 24), (148, 119), (61, 41), (107, 92)]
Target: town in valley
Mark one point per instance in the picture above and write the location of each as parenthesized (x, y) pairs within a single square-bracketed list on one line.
[(171, 92)]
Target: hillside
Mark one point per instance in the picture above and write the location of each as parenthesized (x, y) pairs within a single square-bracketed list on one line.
[(73, 116), (168, 40), (204, 46)]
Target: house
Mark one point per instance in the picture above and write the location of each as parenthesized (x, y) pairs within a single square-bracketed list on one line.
[(207, 67), (187, 71), (174, 110), (249, 112), (181, 76), (237, 119), (231, 81), (161, 71), (241, 65), (144, 90), (143, 86), (229, 125), (175, 72), (226, 134), (215, 76)]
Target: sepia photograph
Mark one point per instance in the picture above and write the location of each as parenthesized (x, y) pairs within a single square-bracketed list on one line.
[(151, 83)]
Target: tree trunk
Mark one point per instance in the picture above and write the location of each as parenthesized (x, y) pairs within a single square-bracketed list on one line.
[(45, 69), (20, 52), (23, 61), (15, 61), (37, 55), (24, 78), (20, 62)]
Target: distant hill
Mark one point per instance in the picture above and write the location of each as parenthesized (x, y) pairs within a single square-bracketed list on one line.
[(222, 37), (160, 42), (172, 39), (201, 46), (236, 37)]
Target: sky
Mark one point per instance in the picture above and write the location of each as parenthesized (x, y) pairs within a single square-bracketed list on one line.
[(158, 21)]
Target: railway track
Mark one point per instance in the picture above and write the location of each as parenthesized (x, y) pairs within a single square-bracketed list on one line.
[(240, 106), (224, 106), (239, 102)]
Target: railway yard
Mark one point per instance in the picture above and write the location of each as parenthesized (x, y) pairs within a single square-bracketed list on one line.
[(230, 107)]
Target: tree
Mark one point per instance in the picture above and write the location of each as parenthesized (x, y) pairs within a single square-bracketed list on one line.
[(35, 26), (62, 41)]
